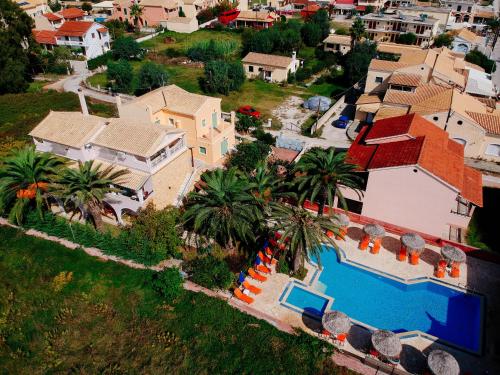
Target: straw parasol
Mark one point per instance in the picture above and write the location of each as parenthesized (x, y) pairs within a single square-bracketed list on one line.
[(374, 230), (453, 254), (336, 322), (442, 363), (413, 242), (386, 343), (342, 219)]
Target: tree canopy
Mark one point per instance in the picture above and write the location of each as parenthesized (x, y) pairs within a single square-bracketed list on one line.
[(16, 43), (358, 60), (443, 40), (223, 76), (478, 58), (125, 47), (248, 155), (120, 74), (407, 38), (151, 76)]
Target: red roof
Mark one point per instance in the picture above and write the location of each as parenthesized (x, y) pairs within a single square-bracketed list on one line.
[(361, 8), (74, 28), (44, 36), (52, 16), (344, 2), (102, 29), (427, 146), (71, 13)]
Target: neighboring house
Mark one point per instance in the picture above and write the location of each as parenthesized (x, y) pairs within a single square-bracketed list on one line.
[(415, 177), (185, 25), (376, 4), (344, 7), (461, 10), (443, 15), (154, 12), (156, 156), (481, 15), (91, 38), (387, 27), (72, 14), (209, 135), (102, 10), (48, 21), (258, 20), (46, 38), (466, 41), (34, 7), (337, 43), (272, 68)]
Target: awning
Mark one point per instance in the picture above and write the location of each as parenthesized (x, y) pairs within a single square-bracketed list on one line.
[(361, 8)]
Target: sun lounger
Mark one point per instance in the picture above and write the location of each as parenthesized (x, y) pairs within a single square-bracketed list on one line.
[(266, 259), (254, 275), (253, 289), (242, 297), (262, 268)]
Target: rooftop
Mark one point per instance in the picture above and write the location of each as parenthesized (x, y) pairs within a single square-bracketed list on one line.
[(401, 18), (250, 15), (44, 36), (338, 39), (269, 60), (74, 28), (68, 128), (71, 13), (425, 145), (405, 79)]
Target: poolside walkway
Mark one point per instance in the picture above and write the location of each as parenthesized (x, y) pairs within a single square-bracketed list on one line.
[(477, 275)]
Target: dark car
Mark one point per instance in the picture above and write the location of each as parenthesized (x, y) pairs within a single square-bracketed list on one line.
[(342, 122), (249, 111)]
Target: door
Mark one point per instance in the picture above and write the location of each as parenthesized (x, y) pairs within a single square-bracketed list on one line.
[(224, 147)]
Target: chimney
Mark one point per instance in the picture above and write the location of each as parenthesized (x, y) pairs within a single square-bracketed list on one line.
[(118, 103), (83, 103), (294, 55)]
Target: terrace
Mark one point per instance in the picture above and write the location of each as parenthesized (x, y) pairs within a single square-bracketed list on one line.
[(477, 276)]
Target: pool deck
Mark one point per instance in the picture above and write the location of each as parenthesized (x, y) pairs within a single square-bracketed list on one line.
[(476, 275)]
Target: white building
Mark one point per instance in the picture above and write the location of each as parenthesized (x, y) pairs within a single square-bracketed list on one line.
[(155, 156), (91, 38)]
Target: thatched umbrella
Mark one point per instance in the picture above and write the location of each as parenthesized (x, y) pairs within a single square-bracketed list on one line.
[(442, 363), (386, 343), (453, 254), (374, 230), (336, 322), (412, 243), (342, 219)]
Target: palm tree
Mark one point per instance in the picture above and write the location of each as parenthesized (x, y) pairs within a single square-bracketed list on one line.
[(136, 12), (86, 187), (24, 178), (357, 31), (224, 210), (305, 232), (320, 173), (265, 185)]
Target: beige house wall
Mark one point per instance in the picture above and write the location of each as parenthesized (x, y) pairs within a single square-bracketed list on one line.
[(415, 200), (336, 47), (277, 74), (439, 119), (490, 140), (371, 86), (168, 181)]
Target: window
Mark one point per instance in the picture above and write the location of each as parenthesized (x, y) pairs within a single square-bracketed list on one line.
[(250, 68), (469, 9), (493, 150), (203, 122), (203, 150), (171, 121), (93, 35), (435, 118), (125, 11), (459, 8), (224, 147), (460, 122), (460, 140), (379, 79), (214, 120)]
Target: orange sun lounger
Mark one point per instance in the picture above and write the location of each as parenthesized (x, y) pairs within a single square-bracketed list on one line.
[(242, 297), (254, 275), (262, 268), (253, 289), (266, 259)]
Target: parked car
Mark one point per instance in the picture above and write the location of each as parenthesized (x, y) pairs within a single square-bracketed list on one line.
[(249, 111), (342, 122)]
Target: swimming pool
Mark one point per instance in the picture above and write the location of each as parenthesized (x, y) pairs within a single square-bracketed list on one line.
[(384, 303)]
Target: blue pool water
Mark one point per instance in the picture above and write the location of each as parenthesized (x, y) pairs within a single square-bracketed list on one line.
[(309, 302), (388, 304)]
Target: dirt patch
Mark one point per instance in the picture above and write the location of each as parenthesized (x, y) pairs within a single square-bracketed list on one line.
[(182, 60), (291, 114)]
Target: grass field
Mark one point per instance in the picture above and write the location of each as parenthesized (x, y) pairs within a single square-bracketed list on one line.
[(19, 113), (65, 312)]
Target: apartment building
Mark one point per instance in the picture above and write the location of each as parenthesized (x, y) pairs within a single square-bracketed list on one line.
[(414, 177), (210, 133), (387, 27), (461, 10), (154, 12), (34, 7), (91, 38), (156, 157)]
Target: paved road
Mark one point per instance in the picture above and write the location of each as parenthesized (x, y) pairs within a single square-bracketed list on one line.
[(312, 142)]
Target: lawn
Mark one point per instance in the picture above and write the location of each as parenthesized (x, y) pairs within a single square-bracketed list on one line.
[(19, 113), (65, 312), (184, 41)]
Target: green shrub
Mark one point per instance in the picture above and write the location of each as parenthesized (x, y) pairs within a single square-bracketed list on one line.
[(173, 52), (99, 61), (208, 50), (245, 122), (247, 155), (168, 283), (282, 266), (303, 74), (264, 137), (210, 272), (128, 244)]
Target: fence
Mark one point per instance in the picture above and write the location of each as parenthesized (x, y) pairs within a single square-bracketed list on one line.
[(328, 114), (208, 23), (147, 37)]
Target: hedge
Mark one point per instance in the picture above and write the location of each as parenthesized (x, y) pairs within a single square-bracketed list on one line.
[(99, 61)]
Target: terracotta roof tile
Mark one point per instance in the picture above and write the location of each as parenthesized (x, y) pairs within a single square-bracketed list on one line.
[(269, 60), (405, 79), (386, 66), (338, 39), (472, 179), (394, 154), (71, 13), (368, 99), (385, 112), (490, 122), (52, 16), (74, 28), (45, 36)]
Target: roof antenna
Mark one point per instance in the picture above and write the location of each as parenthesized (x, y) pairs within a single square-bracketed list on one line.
[(164, 99)]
